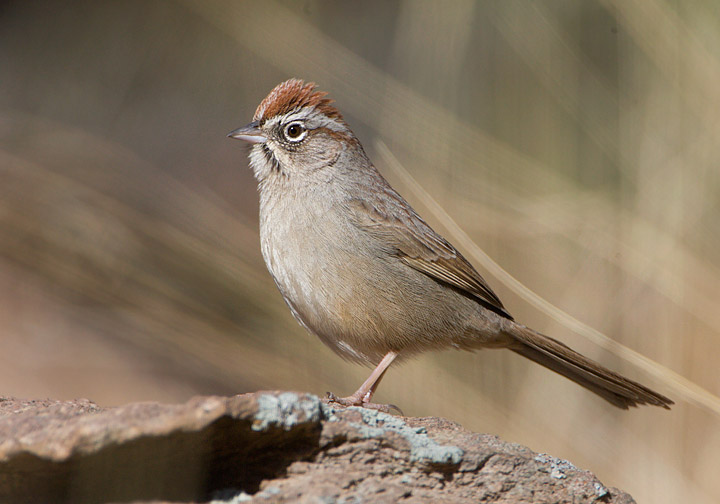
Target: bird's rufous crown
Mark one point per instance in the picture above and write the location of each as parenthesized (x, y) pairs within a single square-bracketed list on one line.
[(295, 94)]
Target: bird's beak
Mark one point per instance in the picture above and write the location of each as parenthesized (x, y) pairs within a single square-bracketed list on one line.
[(250, 133)]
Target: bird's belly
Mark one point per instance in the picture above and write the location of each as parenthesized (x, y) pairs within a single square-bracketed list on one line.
[(364, 307), (320, 286)]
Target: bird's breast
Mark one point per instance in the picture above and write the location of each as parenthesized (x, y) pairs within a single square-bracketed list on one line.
[(316, 259)]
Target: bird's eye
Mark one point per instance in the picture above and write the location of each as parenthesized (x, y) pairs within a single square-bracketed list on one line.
[(295, 132)]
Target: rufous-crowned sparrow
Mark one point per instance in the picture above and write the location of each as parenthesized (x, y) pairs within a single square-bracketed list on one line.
[(362, 270)]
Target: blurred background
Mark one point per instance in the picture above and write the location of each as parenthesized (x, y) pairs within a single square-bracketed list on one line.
[(574, 142)]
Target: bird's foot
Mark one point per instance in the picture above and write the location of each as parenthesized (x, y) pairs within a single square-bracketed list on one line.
[(357, 400)]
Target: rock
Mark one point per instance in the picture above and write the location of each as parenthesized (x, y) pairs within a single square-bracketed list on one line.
[(267, 447)]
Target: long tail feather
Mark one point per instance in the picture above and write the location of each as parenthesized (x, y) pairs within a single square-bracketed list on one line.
[(554, 355)]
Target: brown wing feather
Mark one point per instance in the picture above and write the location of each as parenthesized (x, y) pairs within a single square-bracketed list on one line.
[(460, 274), (421, 248)]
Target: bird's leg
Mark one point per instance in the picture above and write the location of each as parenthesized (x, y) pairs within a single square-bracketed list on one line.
[(363, 395)]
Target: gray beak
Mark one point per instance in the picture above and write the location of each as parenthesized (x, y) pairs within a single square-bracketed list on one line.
[(250, 133)]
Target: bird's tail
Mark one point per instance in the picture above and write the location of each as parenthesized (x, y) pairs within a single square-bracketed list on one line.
[(560, 358)]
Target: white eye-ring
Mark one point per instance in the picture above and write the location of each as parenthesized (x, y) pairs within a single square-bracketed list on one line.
[(295, 132)]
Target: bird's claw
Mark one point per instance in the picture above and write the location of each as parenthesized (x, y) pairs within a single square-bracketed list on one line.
[(359, 401)]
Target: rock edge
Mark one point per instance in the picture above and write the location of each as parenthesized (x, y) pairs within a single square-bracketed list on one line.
[(267, 447)]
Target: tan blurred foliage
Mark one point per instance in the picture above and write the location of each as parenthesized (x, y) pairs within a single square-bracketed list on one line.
[(574, 142)]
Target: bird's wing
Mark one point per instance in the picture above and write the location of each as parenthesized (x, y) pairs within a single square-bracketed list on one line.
[(405, 234)]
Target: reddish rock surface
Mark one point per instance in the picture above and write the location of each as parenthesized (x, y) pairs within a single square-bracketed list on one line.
[(267, 447)]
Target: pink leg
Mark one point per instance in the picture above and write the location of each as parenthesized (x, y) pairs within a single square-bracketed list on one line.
[(364, 394)]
